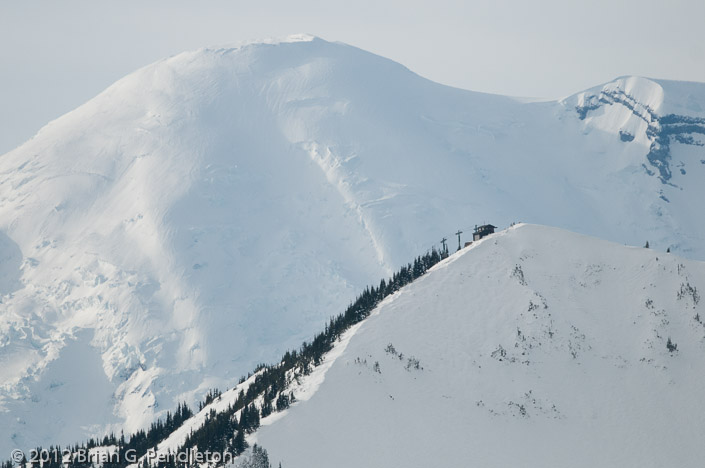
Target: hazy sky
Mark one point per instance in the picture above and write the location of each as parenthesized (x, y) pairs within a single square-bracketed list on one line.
[(56, 55)]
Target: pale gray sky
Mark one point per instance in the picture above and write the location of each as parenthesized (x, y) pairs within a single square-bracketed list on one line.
[(56, 55)]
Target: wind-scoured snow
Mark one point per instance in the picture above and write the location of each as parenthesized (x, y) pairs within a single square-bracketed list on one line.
[(535, 347), (212, 210)]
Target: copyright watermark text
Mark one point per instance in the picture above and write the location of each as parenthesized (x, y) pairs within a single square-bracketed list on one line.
[(99, 457)]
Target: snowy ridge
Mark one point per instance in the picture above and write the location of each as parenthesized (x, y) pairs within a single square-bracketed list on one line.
[(536, 345), (303, 389), (532, 344), (163, 238), (178, 437)]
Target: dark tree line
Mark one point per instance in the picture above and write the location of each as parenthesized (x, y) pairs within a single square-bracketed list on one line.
[(137, 445), (271, 382), (225, 432)]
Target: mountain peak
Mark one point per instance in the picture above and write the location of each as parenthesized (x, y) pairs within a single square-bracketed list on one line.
[(170, 229), (660, 97), (265, 41)]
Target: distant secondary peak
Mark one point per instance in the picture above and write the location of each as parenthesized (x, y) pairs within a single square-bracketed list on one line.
[(646, 99)]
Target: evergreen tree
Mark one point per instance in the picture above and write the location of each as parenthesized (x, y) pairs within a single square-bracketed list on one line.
[(239, 443), (282, 402), (267, 408), (258, 459), (671, 346)]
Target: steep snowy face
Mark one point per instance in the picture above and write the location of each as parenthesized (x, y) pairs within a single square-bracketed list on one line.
[(213, 209), (171, 230), (636, 108), (665, 121), (534, 347)]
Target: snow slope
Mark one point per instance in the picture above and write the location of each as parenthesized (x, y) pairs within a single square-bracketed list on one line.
[(536, 347), (212, 210)]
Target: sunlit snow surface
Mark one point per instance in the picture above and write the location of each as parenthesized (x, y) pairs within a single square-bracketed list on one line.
[(537, 347), (212, 210)]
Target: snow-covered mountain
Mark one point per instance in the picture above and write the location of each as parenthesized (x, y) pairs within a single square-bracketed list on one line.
[(212, 210), (534, 347), (531, 347)]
